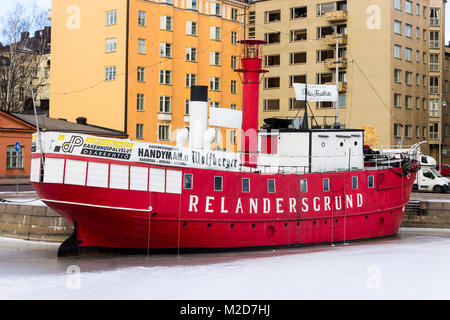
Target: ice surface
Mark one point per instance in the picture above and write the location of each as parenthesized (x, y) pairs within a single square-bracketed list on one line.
[(413, 265)]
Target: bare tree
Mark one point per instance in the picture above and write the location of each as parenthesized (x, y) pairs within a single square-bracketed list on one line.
[(24, 60)]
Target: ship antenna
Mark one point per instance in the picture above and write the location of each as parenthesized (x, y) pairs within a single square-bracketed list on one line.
[(39, 139), (305, 125)]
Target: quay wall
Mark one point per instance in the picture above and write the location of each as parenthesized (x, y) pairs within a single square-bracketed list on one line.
[(36, 223)]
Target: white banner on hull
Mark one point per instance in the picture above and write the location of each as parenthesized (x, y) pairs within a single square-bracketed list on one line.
[(135, 151)]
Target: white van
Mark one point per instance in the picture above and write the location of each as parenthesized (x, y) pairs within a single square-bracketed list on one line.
[(428, 179)]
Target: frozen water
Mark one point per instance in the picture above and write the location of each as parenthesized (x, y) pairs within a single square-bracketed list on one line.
[(412, 265)]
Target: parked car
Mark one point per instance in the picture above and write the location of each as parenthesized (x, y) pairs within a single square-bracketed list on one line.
[(444, 170)]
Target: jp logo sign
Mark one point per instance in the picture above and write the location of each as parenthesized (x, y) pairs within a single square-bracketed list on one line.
[(75, 141)]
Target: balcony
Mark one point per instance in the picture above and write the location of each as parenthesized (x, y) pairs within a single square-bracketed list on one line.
[(331, 39), (434, 114), (435, 22), (164, 116), (342, 86), (336, 16), (331, 63)]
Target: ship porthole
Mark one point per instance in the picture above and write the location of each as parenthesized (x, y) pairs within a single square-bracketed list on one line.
[(336, 220), (298, 223), (381, 222), (285, 224), (184, 224), (231, 226), (253, 226), (209, 225), (326, 221), (314, 223), (270, 232)]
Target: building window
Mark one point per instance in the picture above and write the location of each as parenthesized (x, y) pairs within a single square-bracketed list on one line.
[(408, 102), (191, 54), (397, 76), (272, 37), (233, 62), (233, 86), (397, 27), (215, 9), (272, 16), (397, 130), (408, 78), (297, 57), (323, 8), (271, 104), (434, 62), (298, 78), (141, 46), (298, 35), (234, 37), (142, 18), (110, 73), (434, 85), (139, 131), (111, 45), (234, 14), (397, 51), (186, 106), (272, 60), (188, 181), (397, 100), (408, 30), (111, 18), (141, 74), (215, 33), (191, 5), (14, 159), (214, 84), (218, 183), (408, 131), (245, 185), (398, 4), (299, 12), (166, 23), (272, 83), (165, 50), (163, 132), (191, 28), (408, 54), (165, 77), (214, 58), (191, 80), (165, 103), (214, 104), (408, 6), (434, 40), (435, 15), (140, 102)]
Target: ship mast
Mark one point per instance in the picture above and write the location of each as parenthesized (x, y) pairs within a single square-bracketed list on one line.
[(251, 62)]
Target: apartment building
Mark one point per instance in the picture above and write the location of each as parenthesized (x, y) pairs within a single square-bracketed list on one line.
[(382, 64), (445, 107), (129, 64)]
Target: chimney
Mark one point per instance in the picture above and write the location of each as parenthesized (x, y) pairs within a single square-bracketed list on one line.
[(82, 120), (198, 116), (24, 36)]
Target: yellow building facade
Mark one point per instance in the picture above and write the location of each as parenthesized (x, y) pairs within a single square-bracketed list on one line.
[(129, 64)]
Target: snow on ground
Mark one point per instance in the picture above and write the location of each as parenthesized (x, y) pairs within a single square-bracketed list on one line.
[(413, 265)]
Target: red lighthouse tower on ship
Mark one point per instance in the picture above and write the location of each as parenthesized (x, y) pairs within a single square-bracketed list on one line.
[(251, 60)]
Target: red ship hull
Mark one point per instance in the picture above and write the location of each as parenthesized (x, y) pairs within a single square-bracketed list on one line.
[(201, 218)]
